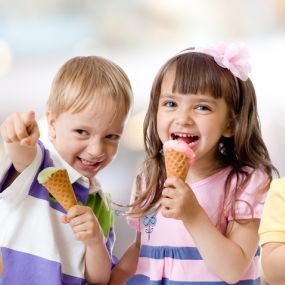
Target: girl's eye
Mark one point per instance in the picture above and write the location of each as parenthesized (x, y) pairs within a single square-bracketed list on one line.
[(203, 108), (81, 132), (113, 137), (170, 104)]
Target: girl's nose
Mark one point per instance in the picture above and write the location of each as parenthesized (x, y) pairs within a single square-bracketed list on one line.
[(184, 118)]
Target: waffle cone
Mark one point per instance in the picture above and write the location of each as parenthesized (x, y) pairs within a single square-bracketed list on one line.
[(59, 186), (176, 164)]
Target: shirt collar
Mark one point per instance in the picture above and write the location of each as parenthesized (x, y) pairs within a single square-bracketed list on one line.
[(60, 162)]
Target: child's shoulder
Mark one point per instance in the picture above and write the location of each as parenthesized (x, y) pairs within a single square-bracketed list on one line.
[(278, 186), (279, 181)]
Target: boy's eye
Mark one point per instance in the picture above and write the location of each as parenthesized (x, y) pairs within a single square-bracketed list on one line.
[(113, 137), (81, 132)]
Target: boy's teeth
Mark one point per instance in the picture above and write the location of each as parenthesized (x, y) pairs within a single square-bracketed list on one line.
[(87, 162)]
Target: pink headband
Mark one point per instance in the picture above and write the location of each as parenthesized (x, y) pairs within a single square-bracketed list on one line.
[(231, 56)]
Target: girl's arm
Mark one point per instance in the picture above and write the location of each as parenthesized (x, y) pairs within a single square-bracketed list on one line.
[(228, 255), (273, 259), (20, 132), (127, 265)]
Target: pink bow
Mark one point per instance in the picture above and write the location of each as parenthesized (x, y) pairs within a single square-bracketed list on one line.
[(230, 56)]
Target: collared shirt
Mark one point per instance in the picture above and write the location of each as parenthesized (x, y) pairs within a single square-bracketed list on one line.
[(36, 247)]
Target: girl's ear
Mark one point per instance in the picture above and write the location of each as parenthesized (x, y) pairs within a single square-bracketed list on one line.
[(230, 129), (51, 120)]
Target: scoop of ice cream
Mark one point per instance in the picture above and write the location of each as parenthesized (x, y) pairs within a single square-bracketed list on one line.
[(56, 181), (46, 173), (178, 157), (182, 147)]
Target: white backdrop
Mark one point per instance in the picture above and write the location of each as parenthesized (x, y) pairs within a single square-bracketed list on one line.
[(37, 37)]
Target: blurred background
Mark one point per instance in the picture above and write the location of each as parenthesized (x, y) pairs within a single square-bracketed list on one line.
[(37, 37)]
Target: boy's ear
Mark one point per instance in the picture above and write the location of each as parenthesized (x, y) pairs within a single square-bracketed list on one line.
[(51, 125), (230, 129)]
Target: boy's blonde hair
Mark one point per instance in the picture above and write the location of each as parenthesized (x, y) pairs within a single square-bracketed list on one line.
[(82, 81)]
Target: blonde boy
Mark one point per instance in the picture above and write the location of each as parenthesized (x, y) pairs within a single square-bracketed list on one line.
[(42, 244)]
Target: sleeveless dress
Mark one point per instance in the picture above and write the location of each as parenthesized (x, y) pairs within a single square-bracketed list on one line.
[(168, 254)]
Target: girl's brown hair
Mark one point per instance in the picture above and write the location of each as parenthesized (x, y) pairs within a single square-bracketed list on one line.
[(199, 73)]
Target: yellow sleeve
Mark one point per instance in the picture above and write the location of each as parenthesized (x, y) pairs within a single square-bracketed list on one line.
[(272, 226)]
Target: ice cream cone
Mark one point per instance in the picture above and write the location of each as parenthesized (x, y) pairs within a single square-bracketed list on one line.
[(176, 164), (178, 157), (58, 185)]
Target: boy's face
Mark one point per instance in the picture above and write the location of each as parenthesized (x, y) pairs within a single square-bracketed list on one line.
[(87, 140)]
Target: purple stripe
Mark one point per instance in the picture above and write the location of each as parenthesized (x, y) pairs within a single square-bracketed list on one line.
[(145, 280), (182, 253), (110, 244), (81, 192), (7, 174), (40, 192), (26, 269)]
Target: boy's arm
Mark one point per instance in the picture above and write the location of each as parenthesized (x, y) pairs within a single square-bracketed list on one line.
[(86, 228), (127, 264), (98, 262), (273, 259), (20, 133)]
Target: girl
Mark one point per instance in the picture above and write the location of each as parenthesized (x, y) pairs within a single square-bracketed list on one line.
[(205, 230)]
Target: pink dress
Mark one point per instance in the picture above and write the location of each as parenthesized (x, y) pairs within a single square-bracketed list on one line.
[(168, 254)]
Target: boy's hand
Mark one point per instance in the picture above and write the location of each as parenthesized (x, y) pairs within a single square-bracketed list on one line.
[(84, 224), (22, 128)]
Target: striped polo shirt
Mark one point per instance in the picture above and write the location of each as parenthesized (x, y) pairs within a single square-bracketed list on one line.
[(37, 248)]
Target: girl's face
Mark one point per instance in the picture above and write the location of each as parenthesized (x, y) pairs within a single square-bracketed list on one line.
[(87, 140), (199, 119)]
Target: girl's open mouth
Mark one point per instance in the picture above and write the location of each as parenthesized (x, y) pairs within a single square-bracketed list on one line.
[(188, 138)]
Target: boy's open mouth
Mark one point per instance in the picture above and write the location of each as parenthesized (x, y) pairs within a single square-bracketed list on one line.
[(89, 163)]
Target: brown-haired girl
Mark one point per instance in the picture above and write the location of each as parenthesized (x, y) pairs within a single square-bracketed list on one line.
[(203, 230)]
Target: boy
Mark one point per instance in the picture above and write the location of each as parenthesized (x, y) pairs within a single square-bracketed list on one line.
[(89, 102)]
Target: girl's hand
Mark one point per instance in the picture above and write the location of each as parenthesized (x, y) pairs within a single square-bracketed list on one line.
[(21, 128), (179, 201), (84, 225)]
